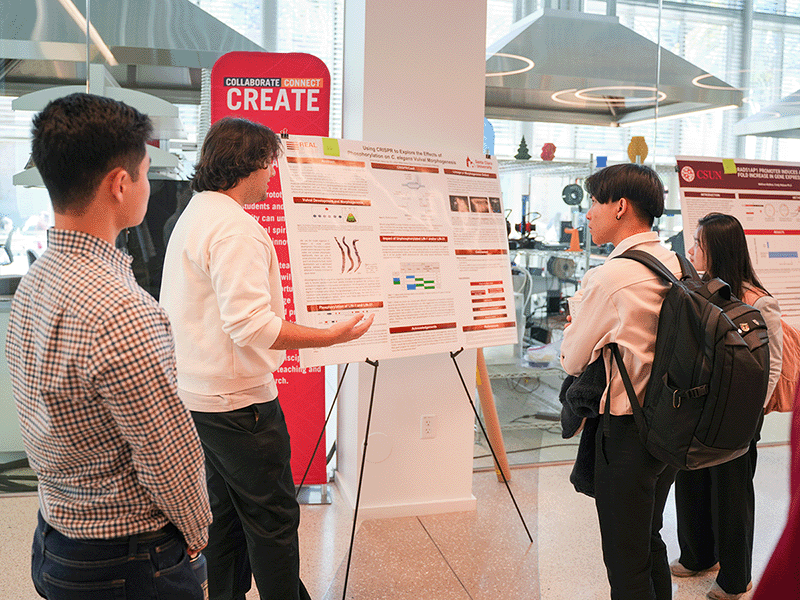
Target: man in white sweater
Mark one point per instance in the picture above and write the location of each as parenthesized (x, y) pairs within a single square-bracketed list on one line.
[(222, 291)]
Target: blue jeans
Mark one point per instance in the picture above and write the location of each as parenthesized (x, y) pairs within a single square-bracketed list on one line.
[(146, 566)]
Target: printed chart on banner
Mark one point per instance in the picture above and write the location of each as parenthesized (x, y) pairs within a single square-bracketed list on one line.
[(765, 197), (415, 237), (416, 278), (777, 264)]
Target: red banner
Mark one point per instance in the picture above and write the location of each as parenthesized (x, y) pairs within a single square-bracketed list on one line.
[(290, 94), (765, 197), (738, 175)]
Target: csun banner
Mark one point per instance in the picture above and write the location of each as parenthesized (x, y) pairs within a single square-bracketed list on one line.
[(765, 197)]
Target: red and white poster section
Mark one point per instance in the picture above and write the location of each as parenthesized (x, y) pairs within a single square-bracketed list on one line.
[(765, 197), (289, 93), (414, 236)]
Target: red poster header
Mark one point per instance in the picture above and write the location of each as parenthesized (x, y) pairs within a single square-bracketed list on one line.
[(740, 175), (286, 92)]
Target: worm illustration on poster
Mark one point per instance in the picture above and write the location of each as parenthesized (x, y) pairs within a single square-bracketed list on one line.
[(358, 256), (349, 255), (338, 243)]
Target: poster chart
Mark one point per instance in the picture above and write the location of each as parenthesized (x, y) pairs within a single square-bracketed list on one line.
[(765, 197), (416, 237)]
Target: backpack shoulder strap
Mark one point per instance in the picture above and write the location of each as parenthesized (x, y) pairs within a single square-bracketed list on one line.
[(655, 265), (638, 413), (713, 286), (687, 268)]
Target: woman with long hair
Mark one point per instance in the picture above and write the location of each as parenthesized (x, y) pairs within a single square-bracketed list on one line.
[(716, 506)]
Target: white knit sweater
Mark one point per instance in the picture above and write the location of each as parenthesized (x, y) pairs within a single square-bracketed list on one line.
[(222, 291)]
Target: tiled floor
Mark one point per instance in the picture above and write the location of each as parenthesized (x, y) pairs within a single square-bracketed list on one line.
[(481, 555)]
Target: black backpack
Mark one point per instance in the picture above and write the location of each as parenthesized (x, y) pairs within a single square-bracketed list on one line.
[(705, 396)]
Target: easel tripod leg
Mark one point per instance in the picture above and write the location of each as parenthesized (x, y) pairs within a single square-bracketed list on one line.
[(360, 476), (453, 355), (322, 433)]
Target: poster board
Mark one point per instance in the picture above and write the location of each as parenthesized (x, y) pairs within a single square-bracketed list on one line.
[(287, 92), (765, 197), (416, 236)]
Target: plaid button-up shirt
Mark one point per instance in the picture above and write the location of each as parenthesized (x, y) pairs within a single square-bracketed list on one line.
[(92, 368)]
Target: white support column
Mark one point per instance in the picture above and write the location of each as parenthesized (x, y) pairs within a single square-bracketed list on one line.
[(414, 75)]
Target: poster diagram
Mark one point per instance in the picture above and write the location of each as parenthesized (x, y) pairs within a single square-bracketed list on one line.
[(416, 237), (765, 197)]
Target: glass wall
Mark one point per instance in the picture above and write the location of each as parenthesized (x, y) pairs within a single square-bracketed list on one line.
[(751, 44), (708, 34)]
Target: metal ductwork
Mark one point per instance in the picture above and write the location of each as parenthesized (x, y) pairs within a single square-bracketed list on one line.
[(583, 69), (780, 120), (154, 46)]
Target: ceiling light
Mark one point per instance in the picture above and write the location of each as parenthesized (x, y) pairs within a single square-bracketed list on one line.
[(529, 64), (582, 94), (696, 81), (605, 101)]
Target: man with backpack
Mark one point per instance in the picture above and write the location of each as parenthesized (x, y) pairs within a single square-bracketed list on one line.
[(620, 302)]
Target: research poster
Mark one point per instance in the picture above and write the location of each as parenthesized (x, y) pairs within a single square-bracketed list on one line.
[(415, 236), (765, 197)]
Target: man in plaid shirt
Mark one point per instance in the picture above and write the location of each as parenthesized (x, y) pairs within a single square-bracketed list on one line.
[(122, 491)]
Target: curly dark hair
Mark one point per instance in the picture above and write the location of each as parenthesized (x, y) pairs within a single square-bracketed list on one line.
[(233, 149), (640, 184), (79, 139)]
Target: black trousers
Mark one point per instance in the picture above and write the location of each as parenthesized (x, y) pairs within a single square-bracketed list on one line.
[(631, 489), (715, 508), (252, 497)]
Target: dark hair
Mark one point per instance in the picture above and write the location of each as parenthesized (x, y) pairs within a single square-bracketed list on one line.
[(233, 149), (641, 185), (79, 139), (722, 240)]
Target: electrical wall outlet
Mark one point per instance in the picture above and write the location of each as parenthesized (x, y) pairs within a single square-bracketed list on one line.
[(427, 427)]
